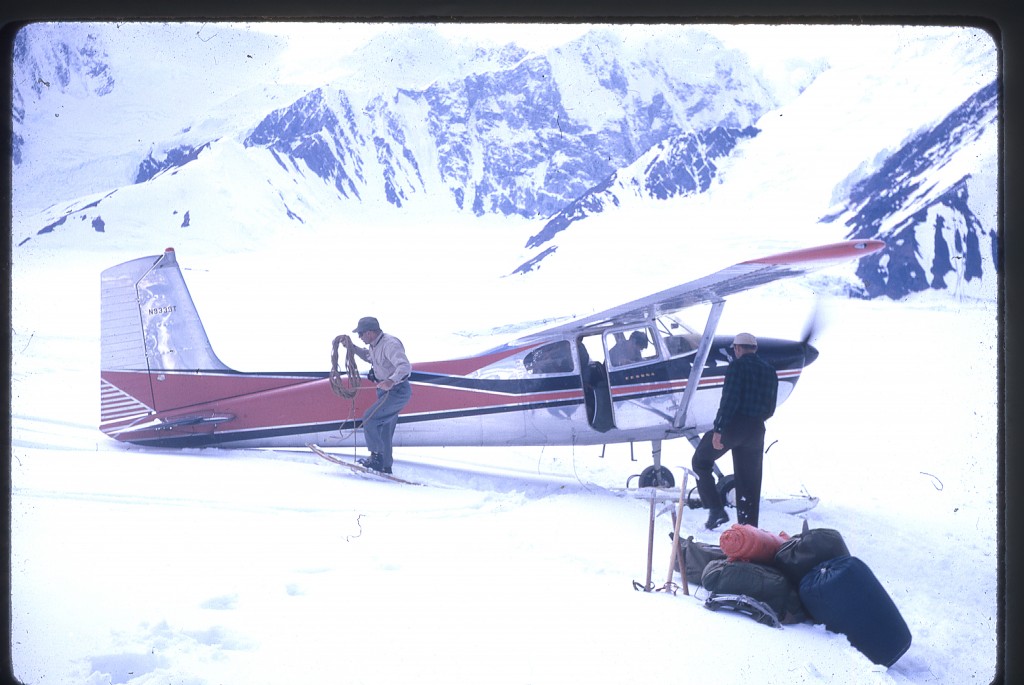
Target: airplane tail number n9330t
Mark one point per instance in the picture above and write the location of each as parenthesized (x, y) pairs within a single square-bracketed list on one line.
[(161, 384)]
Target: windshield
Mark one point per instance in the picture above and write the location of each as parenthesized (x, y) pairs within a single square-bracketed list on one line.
[(681, 336)]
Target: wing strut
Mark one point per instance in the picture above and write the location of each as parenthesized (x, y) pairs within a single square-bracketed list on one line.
[(699, 360)]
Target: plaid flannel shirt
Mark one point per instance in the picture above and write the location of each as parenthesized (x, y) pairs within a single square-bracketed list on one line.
[(751, 389)]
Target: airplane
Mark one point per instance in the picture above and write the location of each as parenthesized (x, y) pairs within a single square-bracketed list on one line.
[(632, 373)]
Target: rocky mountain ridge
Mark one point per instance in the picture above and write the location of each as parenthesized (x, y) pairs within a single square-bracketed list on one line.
[(555, 137)]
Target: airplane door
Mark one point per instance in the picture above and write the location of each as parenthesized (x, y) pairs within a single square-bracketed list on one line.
[(595, 383), (636, 387)]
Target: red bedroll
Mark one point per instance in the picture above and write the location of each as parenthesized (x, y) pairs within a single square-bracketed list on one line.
[(744, 542)]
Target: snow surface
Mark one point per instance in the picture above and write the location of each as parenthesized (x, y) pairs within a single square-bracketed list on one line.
[(511, 565)]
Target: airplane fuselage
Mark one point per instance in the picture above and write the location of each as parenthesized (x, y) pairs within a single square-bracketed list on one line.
[(501, 398), (631, 373)]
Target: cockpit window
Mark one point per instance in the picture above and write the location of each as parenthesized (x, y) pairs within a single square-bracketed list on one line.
[(553, 358), (630, 346)]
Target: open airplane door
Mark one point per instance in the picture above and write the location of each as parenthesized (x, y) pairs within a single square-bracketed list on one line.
[(637, 377)]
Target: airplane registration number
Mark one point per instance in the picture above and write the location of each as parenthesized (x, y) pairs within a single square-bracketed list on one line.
[(162, 310)]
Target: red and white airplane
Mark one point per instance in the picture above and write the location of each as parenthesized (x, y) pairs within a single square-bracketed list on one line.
[(572, 384)]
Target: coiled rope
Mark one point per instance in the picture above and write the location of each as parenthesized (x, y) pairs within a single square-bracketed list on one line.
[(351, 372), (349, 391)]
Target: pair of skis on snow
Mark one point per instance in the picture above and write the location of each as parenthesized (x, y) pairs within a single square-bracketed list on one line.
[(358, 468)]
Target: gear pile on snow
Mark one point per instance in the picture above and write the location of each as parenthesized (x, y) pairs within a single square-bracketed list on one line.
[(778, 579)]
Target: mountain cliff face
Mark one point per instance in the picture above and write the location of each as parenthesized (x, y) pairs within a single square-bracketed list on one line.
[(555, 138), (55, 64), (504, 140), (920, 202), (681, 165)]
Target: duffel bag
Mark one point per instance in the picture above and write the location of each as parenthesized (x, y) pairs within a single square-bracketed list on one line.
[(847, 598)]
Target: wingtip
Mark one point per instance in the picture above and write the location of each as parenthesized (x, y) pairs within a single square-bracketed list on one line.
[(847, 249)]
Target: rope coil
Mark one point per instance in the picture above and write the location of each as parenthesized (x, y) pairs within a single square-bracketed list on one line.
[(351, 372)]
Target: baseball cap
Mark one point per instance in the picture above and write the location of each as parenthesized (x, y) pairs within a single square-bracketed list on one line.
[(745, 339)]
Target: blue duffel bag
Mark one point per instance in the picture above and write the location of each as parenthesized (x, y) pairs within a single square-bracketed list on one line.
[(845, 595)]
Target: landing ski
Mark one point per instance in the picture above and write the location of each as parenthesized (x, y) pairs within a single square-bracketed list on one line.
[(358, 468)]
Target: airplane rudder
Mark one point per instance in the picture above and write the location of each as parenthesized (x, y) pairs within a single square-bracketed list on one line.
[(149, 326)]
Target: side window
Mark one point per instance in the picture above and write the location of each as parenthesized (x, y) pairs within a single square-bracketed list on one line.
[(553, 358), (630, 346)]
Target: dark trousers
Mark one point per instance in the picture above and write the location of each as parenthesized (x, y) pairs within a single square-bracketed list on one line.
[(745, 437), (381, 419)]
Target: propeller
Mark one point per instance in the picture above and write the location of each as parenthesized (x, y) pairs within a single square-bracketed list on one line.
[(812, 328)]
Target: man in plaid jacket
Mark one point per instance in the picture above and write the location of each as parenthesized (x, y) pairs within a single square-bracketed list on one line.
[(748, 400)]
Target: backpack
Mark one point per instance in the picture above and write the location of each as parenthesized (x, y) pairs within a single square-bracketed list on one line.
[(802, 552), (763, 584), (696, 556)]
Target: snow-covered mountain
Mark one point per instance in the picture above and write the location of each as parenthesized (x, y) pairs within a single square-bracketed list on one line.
[(74, 66), (526, 137), (682, 164), (554, 138), (95, 104), (922, 202), (930, 200)]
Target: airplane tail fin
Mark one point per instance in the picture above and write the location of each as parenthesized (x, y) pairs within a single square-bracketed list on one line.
[(149, 326)]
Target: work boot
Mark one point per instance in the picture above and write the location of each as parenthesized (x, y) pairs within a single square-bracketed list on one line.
[(374, 461), (716, 518)]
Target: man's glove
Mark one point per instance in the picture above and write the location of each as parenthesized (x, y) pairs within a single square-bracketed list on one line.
[(371, 376)]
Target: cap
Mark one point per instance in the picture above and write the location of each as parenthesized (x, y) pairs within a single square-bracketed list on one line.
[(367, 323), (745, 339)]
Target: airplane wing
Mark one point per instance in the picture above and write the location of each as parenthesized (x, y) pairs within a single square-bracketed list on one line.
[(716, 286)]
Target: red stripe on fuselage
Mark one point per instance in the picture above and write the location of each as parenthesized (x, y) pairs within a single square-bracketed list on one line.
[(661, 387), (257, 401)]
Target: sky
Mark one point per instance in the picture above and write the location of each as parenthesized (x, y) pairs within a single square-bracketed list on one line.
[(770, 47)]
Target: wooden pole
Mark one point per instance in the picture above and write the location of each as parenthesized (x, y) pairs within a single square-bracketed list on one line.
[(650, 544), (677, 554)]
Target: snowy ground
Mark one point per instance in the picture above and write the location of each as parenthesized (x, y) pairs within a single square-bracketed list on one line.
[(515, 565)]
